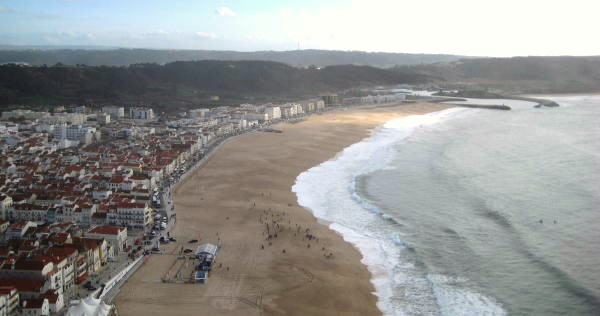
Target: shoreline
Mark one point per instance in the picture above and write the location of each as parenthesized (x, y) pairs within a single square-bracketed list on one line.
[(225, 198), (574, 94), (373, 247)]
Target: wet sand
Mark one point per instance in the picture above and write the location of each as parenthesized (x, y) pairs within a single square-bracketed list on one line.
[(238, 197)]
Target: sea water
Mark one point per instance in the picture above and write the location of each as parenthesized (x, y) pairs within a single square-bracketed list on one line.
[(472, 211)]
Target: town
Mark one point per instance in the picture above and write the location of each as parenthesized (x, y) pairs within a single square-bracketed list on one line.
[(85, 191)]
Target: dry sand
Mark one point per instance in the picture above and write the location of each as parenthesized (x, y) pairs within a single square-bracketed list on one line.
[(229, 200)]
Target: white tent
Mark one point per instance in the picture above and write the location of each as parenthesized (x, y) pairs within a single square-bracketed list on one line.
[(208, 249), (89, 307)]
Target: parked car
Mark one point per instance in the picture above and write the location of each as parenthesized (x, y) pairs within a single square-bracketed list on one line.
[(188, 250), (88, 285), (193, 241), (172, 239)]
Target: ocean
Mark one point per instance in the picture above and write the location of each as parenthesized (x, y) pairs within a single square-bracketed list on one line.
[(472, 211)]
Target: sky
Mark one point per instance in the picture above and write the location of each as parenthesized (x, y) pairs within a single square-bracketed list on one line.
[(464, 27)]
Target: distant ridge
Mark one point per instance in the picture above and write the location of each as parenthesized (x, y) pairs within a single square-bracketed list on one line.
[(98, 56), (55, 47), (532, 74), (185, 83)]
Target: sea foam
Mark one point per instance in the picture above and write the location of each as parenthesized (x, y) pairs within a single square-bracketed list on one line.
[(329, 191)]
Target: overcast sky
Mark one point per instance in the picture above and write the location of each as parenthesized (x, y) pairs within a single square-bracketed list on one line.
[(465, 27)]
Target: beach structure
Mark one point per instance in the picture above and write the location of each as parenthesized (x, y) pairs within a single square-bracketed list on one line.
[(207, 251), (200, 277), (90, 306)]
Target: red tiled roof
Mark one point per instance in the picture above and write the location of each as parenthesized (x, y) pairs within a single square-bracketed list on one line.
[(24, 285), (132, 205), (18, 225), (4, 251), (6, 289), (33, 303), (61, 251), (54, 259), (106, 230), (36, 264), (52, 296)]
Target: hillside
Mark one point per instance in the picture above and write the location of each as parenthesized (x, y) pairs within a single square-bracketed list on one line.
[(125, 57), (518, 74), (184, 83)]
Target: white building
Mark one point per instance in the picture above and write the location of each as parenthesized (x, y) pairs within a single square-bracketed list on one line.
[(44, 128), (114, 111), (290, 110), (83, 134), (238, 124), (308, 106), (134, 215), (9, 300), (141, 113), (27, 114), (71, 118), (35, 307), (103, 119), (253, 107), (115, 236), (320, 104), (199, 113), (273, 112), (261, 117), (80, 109)]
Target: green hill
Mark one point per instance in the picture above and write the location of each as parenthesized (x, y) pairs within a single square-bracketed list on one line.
[(184, 83)]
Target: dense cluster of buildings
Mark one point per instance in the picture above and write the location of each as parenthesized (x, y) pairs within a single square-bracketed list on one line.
[(66, 209), (75, 182), (40, 263), (227, 119)]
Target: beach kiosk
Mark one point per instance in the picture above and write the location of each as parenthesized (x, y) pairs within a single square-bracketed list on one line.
[(201, 277), (206, 251)]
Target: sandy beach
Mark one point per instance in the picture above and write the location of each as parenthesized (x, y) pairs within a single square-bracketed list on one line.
[(560, 94), (239, 197)]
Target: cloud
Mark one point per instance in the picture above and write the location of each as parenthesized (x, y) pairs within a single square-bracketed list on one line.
[(159, 32), (225, 12), (206, 35), (4, 9)]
